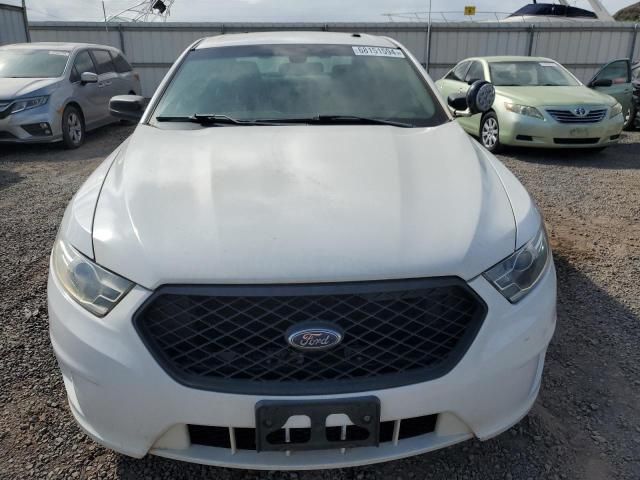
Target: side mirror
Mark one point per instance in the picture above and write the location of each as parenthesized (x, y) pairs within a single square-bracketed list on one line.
[(458, 103), (478, 99), (601, 82), (88, 77), (127, 107)]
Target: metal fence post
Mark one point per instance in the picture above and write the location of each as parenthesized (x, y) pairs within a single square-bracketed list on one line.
[(532, 33), (634, 37), (121, 35), (428, 48)]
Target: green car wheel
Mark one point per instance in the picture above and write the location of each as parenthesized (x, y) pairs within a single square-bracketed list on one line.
[(490, 132)]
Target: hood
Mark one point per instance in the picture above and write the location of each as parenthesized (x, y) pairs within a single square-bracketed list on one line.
[(555, 96), (300, 204), (11, 88)]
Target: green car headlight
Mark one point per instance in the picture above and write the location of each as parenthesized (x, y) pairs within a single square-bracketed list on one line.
[(94, 288), (524, 110), (28, 103), (615, 110), (516, 275)]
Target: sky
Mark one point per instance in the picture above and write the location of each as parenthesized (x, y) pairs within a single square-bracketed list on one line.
[(279, 10)]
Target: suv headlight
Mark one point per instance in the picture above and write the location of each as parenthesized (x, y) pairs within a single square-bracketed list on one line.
[(615, 110), (94, 288), (524, 110), (516, 275), (27, 103)]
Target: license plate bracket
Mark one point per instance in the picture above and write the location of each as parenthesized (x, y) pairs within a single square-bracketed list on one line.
[(272, 415)]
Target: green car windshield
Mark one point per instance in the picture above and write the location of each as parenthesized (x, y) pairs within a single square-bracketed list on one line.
[(280, 83), (530, 74)]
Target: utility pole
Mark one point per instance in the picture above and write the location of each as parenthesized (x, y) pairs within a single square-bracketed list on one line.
[(26, 21), (104, 13), (428, 52)]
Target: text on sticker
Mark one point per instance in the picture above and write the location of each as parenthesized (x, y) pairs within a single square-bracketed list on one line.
[(378, 52)]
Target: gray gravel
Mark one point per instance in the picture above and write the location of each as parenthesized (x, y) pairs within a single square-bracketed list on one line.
[(585, 425)]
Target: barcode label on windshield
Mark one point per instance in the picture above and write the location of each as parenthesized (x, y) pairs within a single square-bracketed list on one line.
[(378, 52)]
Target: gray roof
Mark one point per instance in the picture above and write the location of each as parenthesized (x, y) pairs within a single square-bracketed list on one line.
[(66, 46)]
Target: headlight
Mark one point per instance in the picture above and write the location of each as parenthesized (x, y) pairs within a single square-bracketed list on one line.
[(516, 275), (93, 287), (27, 103), (524, 110), (615, 110)]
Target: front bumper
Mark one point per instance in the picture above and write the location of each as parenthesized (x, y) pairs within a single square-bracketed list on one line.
[(520, 130), (12, 127), (123, 399)]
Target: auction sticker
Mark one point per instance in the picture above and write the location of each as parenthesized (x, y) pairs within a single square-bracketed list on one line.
[(378, 52)]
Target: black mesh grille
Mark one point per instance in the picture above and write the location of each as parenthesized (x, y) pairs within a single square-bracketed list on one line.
[(230, 338)]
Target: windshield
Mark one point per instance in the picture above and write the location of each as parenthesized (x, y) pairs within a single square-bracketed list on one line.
[(530, 74), (29, 63), (280, 82)]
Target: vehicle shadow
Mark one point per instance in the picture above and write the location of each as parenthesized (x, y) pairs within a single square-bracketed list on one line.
[(584, 409), (8, 178), (624, 155), (98, 143)]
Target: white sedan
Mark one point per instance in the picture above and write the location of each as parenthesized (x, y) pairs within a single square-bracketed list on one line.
[(299, 261)]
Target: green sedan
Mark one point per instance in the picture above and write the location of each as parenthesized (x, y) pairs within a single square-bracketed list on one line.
[(539, 103)]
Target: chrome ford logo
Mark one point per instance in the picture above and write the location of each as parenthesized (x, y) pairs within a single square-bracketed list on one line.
[(308, 337), (581, 112)]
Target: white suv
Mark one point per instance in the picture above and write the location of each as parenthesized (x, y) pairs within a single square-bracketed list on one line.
[(299, 261)]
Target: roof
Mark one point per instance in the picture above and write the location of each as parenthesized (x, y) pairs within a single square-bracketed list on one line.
[(279, 38), (512, 58), (66, 46)]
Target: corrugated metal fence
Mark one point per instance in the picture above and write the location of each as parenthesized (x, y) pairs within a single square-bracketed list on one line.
[(13, 25), (582, 47)]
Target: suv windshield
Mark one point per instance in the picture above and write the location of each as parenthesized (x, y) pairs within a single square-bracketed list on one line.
[(277, 83), (28, 63), (530, 74)]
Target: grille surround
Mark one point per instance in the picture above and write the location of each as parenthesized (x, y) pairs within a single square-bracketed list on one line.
[(564, 115), (450, 287)]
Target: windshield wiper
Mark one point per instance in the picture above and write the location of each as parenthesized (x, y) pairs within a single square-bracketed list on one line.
[(340, 119), (210, 119)]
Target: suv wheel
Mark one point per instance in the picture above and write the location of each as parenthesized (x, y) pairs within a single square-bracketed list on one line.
[(72, 127), (490, 132)]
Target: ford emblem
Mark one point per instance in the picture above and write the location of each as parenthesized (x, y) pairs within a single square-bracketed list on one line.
[(309, 337)]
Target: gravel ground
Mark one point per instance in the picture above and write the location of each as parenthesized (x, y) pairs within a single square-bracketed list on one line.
[(585, 425)]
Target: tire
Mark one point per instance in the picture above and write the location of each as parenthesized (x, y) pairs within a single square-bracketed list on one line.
[(630, 118), (73, 131), (490, 132)]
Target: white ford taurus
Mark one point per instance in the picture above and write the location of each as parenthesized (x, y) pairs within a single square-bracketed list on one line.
[(298, 261)]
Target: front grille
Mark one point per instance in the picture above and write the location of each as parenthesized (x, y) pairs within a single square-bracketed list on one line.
[(7, 136), (245, 438), (232, 338), (568, 116)]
